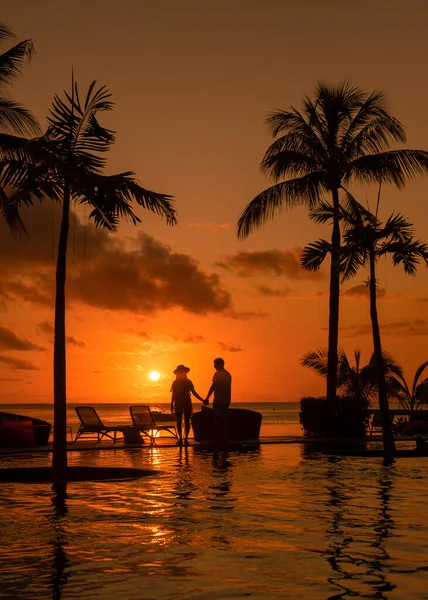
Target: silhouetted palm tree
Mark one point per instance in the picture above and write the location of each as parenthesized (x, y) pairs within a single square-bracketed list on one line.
[(15, 120), (359, 382), (68, 165), (365, 240), (342, 134), (410, 399)]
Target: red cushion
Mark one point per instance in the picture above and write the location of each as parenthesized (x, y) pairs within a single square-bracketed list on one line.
[(16, 434)]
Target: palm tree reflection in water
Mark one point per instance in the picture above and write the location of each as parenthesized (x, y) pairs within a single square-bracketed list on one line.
[(60, 561), (359, 574)]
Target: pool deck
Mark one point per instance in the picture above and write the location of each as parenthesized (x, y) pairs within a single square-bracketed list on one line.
[(92, 445)]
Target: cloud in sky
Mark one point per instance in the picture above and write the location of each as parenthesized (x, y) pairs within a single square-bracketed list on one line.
[(405, 327), (46, 327), (281, 263), (148, 278), (266, 290), (10, 341), (191, 338), (16, 363), (229, 347), (362, 291), (144, 277), (245, 315)]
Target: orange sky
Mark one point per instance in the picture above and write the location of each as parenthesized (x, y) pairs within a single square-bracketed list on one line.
[(193, 82)]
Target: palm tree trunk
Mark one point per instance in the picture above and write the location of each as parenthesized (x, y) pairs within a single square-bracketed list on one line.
[(59, 460), (333, 318), (388, 438)]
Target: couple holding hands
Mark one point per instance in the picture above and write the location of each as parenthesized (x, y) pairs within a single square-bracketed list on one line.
[(181, 403)]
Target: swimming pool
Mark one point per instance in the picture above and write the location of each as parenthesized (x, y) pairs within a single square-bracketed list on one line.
[(273, 522)]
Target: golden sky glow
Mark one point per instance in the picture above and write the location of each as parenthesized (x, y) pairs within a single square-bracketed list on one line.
[(192, 82)]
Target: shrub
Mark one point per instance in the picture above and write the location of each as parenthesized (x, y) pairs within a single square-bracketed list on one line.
[(345, 417)]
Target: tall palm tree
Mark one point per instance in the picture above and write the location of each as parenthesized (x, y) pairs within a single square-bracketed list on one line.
[(356, 380), (341, 134), (68, 165), (365, 241), (15, 120)]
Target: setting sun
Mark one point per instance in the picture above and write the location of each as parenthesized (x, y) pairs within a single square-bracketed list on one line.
[(154, 376)]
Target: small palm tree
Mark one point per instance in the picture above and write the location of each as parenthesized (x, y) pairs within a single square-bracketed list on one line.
[(15, 120), (410, 398), (342, 134), (359, 382), (67, 165), (365, 241)]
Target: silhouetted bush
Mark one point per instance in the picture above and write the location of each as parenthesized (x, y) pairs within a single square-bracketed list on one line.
[(345, 417)]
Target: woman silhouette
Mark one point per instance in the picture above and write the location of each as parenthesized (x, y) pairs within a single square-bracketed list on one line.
[(181, 402)]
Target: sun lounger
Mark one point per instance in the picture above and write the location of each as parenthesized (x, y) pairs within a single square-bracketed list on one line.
[(376, 423), (145, 421), (91, 424)]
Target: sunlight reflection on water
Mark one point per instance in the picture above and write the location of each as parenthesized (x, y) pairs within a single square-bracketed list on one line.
[(277, 521)]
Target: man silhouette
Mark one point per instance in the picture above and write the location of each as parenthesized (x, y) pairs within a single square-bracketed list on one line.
[(222, 389)]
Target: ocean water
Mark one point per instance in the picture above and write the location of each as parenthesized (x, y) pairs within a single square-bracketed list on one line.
[(282, 521), (279, 418)]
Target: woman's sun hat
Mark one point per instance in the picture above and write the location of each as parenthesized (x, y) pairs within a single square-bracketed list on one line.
[(181, 369)]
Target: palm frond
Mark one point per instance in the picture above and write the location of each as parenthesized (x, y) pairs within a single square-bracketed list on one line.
[(10, 214), (335, 107), (12, 61), (391, 365), (351, 260), (397, 228), (372, 129), (76, 126), (15, 119), (90, 135), (105, 220), (316, 360), (376, 137), (111, 198), (345, 373), (297, 134), (5, 32), (418, 373), (13, 147), (354, 214), (394, 377), (395, 166), (32, 173), (317, 120), (314, 254), (351, 380), (408, 253), (322, 213), (160, 204), (288, 163), (305, 190)]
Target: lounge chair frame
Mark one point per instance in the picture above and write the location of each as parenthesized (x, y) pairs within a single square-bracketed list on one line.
[(376, 423), (144, 420), (90, 423)]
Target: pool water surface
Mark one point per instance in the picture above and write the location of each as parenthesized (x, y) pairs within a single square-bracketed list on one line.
[(278, 521)]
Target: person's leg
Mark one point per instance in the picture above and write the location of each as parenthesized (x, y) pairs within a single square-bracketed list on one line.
[(217, 423), (225, 424), (187, 413), (178, 418)]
